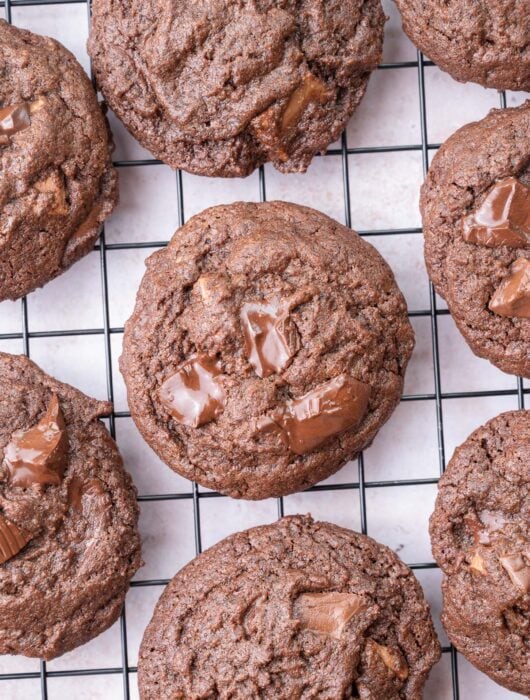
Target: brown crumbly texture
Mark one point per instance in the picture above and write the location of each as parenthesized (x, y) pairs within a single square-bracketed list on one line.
[(482, 516), (68, 584), (229, 624), (205, 85), (482, 41), (57, 183), (348, 312), (466, 275)]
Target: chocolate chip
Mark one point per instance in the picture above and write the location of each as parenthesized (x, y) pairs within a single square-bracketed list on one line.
[(518, 570), (271, 337), (327, 613), (392, 658), (193, 395), (39, 455), (503, 218), (512, 296), (327, 410), (12, 539), (477, 563), (53, 185)]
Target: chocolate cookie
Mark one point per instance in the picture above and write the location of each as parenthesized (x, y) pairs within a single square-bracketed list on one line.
[(69, 542), (57, 183), (480, 533), (267, 347), (475, 205), (218, 87), (482, 41), (290, 610)]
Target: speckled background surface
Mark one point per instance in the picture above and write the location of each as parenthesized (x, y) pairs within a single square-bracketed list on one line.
[(383, 190)]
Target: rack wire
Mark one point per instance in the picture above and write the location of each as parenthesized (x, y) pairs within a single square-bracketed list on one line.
[(106, 330)]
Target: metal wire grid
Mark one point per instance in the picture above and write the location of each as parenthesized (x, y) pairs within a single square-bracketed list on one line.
[(25, 335)]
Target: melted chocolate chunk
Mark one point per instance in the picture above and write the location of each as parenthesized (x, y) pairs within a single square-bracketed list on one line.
[(77, 489), (392, 658), (512, 296), (327, 410), (311, 89), (503, 218), (39, 455), (14, 118), (327, 613), (12, 539), (518, 570), (271, 337), (193, 395)]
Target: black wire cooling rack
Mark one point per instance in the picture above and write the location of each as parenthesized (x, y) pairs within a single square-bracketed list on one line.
[(194, 494)]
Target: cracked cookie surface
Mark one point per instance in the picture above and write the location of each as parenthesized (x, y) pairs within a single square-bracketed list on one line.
[(471, 165), (218, 87), (480, 537), (267, 347), (57, 183), (69, 542), (297, 609), (482, 41)]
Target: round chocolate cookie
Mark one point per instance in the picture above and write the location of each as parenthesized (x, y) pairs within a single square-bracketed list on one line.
[(482, 41), (57, 183), (296, 609), (267, 347), (69, 542), (475, 205), (218, 87), (480, 533)]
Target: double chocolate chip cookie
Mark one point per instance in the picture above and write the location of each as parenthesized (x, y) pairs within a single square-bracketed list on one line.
[(218, 87), (475, 205), (482, 41), (69, 542), (267, 347), (57, 183), (290, 610), (480, 532)]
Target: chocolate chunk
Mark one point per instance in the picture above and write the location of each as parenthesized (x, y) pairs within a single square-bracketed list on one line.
[(39, 455), (53, 185), (14, 118), (265, 425), (12, 539), (477, 563), (327, 613), (193, 395), (512, 296), (518, 570), (327, 410), (392, 658), (503, 218), (311, 89), (271, 337)]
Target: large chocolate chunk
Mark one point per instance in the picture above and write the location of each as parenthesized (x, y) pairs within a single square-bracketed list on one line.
[(271, 337), (327, 613), (193, 395), (392, 658), (327, 410), (512, 296), (14, 118), (311, 89), (12, 539), (503, 218), (39, 455)]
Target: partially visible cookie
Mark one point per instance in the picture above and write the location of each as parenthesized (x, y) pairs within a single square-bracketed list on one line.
[(69, 542), (290, 610), (267, 347), (57, 183), (475, 205), (480, 533), (482, 41), (218, 87)]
